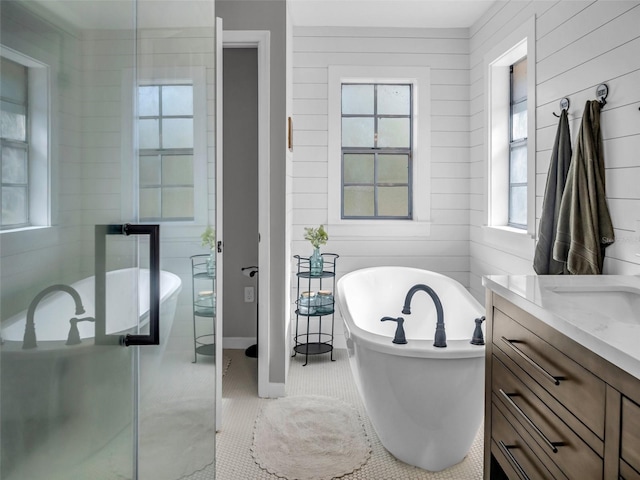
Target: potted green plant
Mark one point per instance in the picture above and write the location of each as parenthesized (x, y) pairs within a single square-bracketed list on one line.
[(317, 236), (209, 240)]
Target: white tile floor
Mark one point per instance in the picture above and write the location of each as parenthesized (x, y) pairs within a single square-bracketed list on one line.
[(320, 377)]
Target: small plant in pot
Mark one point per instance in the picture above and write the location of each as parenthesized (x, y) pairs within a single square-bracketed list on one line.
[(317, 236), (209, 240)]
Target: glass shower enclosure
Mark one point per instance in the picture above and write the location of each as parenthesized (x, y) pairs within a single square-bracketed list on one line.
[(83, 278)]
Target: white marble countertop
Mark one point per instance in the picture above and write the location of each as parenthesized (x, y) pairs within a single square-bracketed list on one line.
[(602, 313)]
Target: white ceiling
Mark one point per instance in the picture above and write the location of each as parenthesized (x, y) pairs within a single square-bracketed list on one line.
[(388, 13), (344, 13)]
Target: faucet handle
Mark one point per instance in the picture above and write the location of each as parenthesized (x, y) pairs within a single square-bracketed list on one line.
[(478, 337), (399, 337)]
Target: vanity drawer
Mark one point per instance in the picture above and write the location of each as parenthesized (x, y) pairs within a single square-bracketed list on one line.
[(630, 433), (568, 451), (628, 473), (515, 456), (566, 380)]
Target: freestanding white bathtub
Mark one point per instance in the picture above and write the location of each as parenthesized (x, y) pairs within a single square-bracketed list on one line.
[(48, 391), (127, 299), (425, 402)]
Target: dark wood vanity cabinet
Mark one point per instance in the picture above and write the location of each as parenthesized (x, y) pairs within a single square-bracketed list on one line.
[(554, 409)]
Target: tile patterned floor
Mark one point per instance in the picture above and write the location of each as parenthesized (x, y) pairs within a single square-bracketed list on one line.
[(320, 377)]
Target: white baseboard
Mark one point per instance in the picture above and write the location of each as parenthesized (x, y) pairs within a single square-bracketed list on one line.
[(238, 343)]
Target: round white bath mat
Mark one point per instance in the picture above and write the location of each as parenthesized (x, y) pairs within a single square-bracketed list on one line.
[(309, 438)]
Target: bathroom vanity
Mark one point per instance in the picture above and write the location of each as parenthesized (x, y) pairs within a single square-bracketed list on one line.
[(562, 390)]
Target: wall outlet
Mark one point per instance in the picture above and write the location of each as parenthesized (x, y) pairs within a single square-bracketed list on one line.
[(249, 295)]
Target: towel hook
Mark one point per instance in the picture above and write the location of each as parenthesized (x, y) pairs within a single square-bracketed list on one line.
[(601, 92), (564, 105)]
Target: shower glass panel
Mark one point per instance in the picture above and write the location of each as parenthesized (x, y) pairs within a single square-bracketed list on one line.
[(174, 86), (67, 406), (71, 406)]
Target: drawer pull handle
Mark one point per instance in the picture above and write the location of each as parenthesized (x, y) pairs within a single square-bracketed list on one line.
[(525, 357), (512, 460), (552, 445)]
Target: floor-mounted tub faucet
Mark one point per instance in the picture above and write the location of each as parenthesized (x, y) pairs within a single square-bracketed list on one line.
[(29, 340), (440, 339)]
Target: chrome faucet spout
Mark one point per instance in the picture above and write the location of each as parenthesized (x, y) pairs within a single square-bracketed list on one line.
[(440, 339), (29, 340)]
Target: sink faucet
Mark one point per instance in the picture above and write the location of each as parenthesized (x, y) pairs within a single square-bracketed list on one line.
[(440, 339), (29, 340)]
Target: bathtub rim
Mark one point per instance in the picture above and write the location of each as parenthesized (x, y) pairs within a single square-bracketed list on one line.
[(413, 348)]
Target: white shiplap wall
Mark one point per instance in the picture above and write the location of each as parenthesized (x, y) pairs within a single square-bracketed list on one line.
[(34, 259), (445, 51), (88, 151), (578, 46), (106, 166)]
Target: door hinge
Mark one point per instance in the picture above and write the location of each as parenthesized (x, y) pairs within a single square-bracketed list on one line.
[(219, 246)]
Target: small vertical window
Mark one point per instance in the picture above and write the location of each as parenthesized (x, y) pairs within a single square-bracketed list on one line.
[(518, 145), (166, 142), (376, 151), (14, 145)]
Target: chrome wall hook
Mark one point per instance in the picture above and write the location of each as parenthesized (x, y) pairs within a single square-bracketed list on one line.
[(601, 93), (564, 105)]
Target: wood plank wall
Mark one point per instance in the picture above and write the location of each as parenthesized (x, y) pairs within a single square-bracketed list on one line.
[(578, 46), (446, 52)]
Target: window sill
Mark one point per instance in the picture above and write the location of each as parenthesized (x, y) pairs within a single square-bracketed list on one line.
[(21, 240), (509, 239), (381, 229)]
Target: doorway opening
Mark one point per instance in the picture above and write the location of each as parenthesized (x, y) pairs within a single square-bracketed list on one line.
[(240, 198), (257, 41)]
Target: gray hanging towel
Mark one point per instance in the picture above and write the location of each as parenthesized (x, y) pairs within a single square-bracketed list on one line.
[(543, 262), (584, 223)]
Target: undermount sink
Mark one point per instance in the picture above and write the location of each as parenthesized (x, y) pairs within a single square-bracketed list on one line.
[(616, 302)]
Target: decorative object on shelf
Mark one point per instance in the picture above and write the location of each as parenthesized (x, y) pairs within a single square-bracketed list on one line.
[(324, 301), (209, 240), (317, 236), (307, 303)]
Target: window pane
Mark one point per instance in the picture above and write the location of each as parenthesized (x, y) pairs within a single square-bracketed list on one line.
[(13, 121), (150, 170), (14, 205), (357, 132), (394, 99), (13, 81), (519, 81), (149, 133), (358, 168), (394, 132), (518, 205), (357, 99), (150, 202), (177, 202), (519, 121), (393, 201), (14, 165), (518, 164), (393, 169), (149, 101), (177, 170), (177, 133), (177, 100), (358, 202)]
